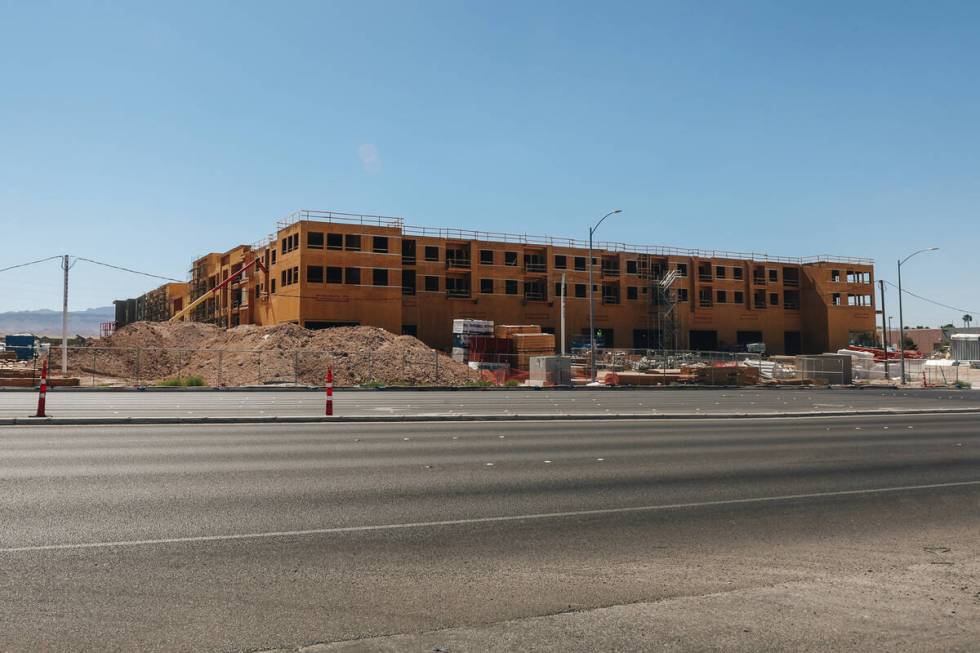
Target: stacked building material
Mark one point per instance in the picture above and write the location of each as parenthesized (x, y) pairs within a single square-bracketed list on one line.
[(463, 331), (734, 375), (490, 349), (529, 345), (30, 377), (509, 330)]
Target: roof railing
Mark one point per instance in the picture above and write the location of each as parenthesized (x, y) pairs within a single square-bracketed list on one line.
[(334, 216), (453, 233)]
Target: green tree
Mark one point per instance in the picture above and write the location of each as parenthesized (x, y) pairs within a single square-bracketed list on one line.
[(967, 319)]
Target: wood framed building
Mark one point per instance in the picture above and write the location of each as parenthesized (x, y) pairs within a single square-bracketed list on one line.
[(331, 269)]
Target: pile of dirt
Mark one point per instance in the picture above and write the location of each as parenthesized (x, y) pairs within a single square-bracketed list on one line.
[(255, 355), (142, 350)]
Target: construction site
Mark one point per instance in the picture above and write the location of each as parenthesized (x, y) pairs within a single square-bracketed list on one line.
[(322, 269), (147, 354), (385, 303)]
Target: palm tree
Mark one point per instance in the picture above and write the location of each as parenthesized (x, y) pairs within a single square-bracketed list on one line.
[(967, 319)]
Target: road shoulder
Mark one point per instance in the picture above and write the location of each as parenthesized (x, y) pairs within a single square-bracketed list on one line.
[(933, 606)]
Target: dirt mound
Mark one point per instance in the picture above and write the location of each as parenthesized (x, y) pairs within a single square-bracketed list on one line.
[(255, 355)]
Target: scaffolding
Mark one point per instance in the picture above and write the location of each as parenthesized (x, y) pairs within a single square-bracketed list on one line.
[(661, 315), (155, 305), (201, 284)]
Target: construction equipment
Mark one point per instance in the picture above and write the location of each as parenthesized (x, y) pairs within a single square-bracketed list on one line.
[(214, 291)]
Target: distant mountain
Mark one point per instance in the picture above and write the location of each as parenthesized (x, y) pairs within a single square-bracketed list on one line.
[(45, 322)]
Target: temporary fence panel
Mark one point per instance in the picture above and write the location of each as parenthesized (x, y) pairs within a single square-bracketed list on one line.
[(831, 369)]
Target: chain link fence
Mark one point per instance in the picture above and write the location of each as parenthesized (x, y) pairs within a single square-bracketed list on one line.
[(151, 366), (232, 367)]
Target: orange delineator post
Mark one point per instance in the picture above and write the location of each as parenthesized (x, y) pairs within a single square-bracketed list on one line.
[(329, 391), (44, 389)]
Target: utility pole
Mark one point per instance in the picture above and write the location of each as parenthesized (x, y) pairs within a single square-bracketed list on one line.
[(64, 320), (884, 333), (564, 294)]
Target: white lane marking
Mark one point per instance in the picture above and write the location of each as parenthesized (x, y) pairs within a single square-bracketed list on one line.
[(481, 520)]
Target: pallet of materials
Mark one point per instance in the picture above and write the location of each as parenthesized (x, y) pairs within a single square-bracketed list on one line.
[(530, 345), (463, 331), (490, 349), (730, 375), (509, 330)]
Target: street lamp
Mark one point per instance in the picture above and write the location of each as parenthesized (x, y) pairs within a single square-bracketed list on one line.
[(901, 320), (592, 230)]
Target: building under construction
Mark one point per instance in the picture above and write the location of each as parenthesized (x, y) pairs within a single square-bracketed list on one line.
[(324, 269), (158, 305)]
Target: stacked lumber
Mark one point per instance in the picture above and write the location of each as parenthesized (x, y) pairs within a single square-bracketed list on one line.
[(728, 375), (529, 345), (29, 382), (508, 330)]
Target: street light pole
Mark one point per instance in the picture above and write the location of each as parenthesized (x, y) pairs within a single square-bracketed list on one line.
[(884, 332), (901, 319), (592, 231)]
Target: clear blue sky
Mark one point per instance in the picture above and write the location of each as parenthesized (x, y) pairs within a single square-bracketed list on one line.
[(145, 134)]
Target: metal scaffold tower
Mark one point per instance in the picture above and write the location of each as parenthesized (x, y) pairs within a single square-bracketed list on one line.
[(661, 302)]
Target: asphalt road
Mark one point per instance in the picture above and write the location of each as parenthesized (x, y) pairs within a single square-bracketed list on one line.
[(434, 403), (226, 538)]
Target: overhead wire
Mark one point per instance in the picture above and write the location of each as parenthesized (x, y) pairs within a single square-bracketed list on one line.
[(117, 267), (931, 301), (24, 265)]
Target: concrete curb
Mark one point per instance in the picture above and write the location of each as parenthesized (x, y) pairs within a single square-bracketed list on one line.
[(450, 388), (300, 419)]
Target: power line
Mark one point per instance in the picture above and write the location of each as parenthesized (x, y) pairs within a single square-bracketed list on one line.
[(116, 267), (24, 265), (931, 301)]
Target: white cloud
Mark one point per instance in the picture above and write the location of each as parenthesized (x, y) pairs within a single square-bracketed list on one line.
[(370, 159)]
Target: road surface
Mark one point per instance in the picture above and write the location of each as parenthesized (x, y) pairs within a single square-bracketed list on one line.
[(808, 534), (434, 403)]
